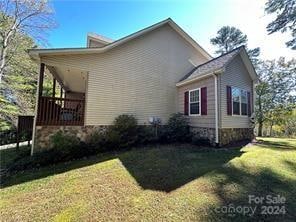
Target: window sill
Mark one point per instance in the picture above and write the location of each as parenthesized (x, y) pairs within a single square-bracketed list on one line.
[(239, 115), (194, 115)]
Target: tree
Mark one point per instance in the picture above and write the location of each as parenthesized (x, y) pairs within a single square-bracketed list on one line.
[(23, 17), (18, 88), (285, 11), (229, 38), (20, 84), (275, 91), (263, 94), (23, 23)]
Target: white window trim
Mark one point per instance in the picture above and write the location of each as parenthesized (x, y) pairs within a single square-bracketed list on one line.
[(199, 107), (240, 102)]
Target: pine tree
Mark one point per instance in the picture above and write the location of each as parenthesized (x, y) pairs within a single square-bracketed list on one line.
[(285, 11), (229, 38)]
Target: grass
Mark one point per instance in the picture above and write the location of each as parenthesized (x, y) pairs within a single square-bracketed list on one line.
[(167, 183)]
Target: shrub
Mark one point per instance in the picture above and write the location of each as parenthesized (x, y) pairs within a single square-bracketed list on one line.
[(63, 142), (178, 128), (123, 133), (146, 135), (98, 140)]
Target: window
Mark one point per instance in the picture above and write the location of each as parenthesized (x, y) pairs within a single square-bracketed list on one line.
[(239, 102), (194, 102), (235, 101), (244, 103)]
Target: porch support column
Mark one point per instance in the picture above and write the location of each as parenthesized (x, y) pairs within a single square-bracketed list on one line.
[(38, 95), (41, 77), (61, 92), (53, 87)]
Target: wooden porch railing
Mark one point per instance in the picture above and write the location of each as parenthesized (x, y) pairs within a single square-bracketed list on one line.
[(60, 111)]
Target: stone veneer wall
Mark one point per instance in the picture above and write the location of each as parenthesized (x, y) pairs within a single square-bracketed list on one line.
[(226, 135), (203, 133), (43, 134), (229, 135)]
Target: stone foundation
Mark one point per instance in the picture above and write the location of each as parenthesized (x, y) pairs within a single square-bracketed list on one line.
[(230, 135), (44, 133), (226, 135), (203, 133)]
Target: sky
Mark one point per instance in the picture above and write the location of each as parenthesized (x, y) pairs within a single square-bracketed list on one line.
[(201, 19)]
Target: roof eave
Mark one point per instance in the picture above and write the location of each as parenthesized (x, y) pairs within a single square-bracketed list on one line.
[(249, 65), (205, 75), (169, 21)]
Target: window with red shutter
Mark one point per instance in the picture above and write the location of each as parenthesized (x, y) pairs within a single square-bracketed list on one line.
[(186, 100), (229, 100), (204, 101)]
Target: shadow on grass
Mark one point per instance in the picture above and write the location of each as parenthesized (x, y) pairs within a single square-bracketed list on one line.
[(280, 145), (169, 168), (239, 184), (42, 172), (163, 168)]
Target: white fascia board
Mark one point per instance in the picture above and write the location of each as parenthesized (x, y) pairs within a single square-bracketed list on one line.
[(85, 50), (188, 81)]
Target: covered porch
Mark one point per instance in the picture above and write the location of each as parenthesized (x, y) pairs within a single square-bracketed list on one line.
[(65, 105)]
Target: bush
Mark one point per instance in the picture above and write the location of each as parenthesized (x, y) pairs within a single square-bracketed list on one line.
[(65, 147), (178, 129), (123, 133), (146, 135), (98, 140), (63, 142)]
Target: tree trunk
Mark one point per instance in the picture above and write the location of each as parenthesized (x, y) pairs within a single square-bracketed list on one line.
[(6, 41), (2, 61), (270, 129), (260, 128)]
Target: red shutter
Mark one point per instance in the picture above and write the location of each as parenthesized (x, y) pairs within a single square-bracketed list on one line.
[(249, 104), (203, 101), (229, 98), (186, 100)]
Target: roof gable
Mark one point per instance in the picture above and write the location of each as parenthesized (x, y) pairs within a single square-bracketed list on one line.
[(102, 40), (35, 53), (218, 64)]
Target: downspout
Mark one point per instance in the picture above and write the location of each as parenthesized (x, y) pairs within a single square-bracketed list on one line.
[(216, 110)]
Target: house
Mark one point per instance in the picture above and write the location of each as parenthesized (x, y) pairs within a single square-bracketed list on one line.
[(154, 72)]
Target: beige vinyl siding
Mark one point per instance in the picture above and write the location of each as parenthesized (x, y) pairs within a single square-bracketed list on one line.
[(203, 120), (93, 43), (235, 75), (137, 77)]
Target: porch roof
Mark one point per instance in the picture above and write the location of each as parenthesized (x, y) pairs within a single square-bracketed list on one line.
[(70, 79)]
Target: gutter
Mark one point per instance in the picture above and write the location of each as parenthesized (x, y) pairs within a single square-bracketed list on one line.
[(185, 82)]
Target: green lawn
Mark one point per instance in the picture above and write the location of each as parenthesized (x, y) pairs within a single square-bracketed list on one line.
[(167, 183)]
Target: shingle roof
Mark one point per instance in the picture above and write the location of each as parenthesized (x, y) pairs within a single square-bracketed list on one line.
[(212, 65)]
